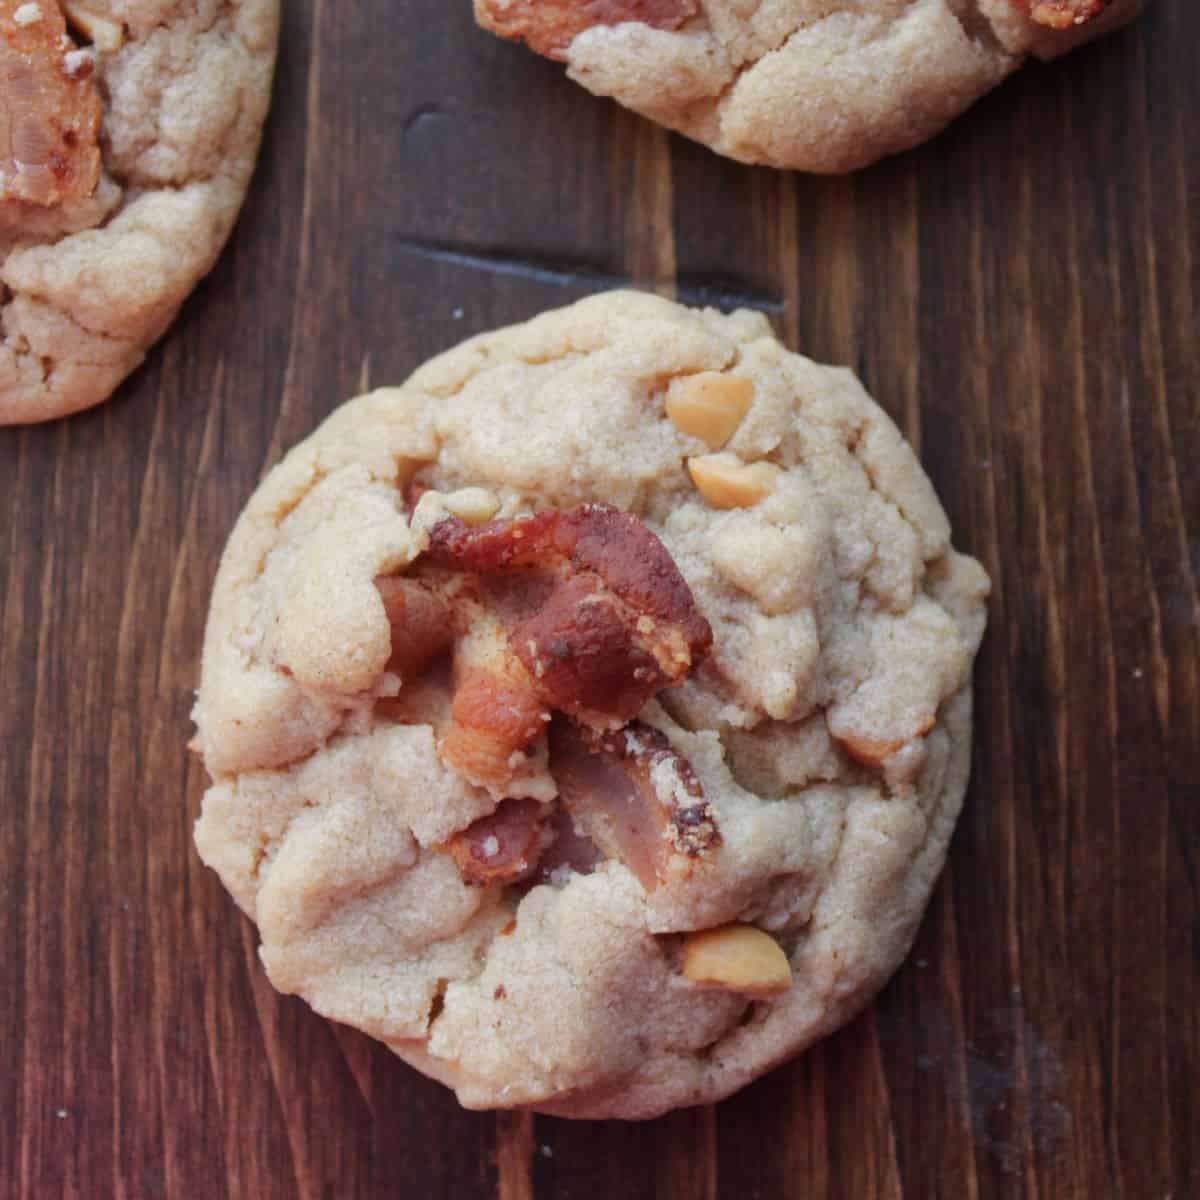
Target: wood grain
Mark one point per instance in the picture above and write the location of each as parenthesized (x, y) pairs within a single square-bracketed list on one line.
[(1021, 294)]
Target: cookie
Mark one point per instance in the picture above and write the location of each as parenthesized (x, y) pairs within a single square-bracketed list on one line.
[(128, 134), (818, 85), (588, 718)]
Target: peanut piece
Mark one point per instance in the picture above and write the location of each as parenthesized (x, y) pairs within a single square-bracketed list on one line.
[(726, 482), (104, 34), (741, 958), (872, 751), (474, 505), (709, 406)]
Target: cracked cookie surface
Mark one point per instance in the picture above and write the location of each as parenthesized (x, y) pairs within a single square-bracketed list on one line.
[(646, 895), (139, 122), (816, 85)]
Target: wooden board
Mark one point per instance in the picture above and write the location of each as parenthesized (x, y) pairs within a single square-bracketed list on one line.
[(1023, 295)]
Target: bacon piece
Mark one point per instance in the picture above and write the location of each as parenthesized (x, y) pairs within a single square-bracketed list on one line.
[(581, 611), (593, 538), (585, 656), (49, 108), (637, 799), (622, 627), (492, 722), (550, 26), (1064, 14), (503, 847), (421, 621), (569, 849)]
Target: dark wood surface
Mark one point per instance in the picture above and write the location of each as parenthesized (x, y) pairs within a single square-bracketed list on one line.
[(1023, 295)]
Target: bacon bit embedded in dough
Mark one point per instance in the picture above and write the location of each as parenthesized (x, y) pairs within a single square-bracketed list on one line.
[(550, 26), (570, 852), (598, 542), (49, 108), (1065, 14), (503, 847), (636, 798), (493, 720), (420, 621), (581, 611)]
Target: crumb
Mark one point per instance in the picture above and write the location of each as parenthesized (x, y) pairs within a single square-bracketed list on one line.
[(78, 63)]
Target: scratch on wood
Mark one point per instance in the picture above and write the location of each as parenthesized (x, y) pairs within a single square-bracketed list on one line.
[(561, 274)]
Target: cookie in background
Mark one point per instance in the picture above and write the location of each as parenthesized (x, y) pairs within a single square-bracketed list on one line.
[(815, 85), (128, 135)]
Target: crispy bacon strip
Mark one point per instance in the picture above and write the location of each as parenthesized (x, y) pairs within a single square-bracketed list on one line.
[(581, 611), (493, 720), (421, 621), (618, 622), (568, 848), (502, 847), (49, 108), (1063, 14), (550, 26), (635, 797)]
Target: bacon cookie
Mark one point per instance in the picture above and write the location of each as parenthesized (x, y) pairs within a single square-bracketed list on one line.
[(588, 718), (128, 133), (817, 85)]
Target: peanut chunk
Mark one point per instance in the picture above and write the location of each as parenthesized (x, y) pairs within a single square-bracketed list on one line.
[(473, 505), (726, 482), (1063, 14), (741, 958), (105, 34), (709, 406), (874, 751)]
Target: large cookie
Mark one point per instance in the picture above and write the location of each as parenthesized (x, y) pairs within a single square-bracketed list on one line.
[(128, 134), (588, 717), (819, 85)]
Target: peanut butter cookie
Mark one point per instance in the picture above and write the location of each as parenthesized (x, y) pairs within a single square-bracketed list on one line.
[(128, 134), (588, 718), (819, 85)]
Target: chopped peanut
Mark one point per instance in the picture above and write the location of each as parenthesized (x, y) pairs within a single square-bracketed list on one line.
[(726, 482), (105, 34), (709, 406), (1064, 14), (474, 505), (871, 751), (741, 958)]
